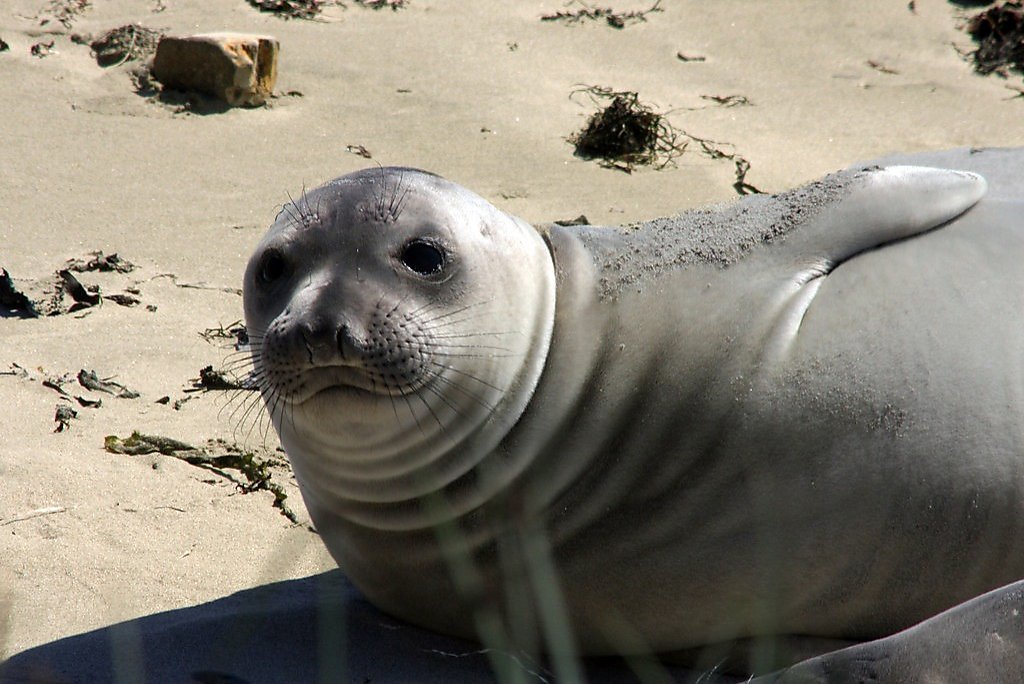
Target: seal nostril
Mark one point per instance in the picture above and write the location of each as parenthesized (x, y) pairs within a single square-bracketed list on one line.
[(343, 339)]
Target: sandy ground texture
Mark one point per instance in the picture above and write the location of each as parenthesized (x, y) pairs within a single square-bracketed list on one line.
[(478, 91)]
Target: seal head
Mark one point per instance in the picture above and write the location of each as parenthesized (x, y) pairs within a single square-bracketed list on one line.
[(420, 310)]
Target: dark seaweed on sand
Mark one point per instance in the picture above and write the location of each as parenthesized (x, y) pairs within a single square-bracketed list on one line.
[(309, 9), (212, 379), (91, 381), (612, 18), (98, 261), (64, 11), (999, 33), (393, 5), (84, 297), (217, 457), (290, 9), (626, 132), (42, 49), (12, 301), (123, 44), (63, 417)]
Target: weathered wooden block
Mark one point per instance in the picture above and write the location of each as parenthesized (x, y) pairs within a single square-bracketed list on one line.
[(239, 68)]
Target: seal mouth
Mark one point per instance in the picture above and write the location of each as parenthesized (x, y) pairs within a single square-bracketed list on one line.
[(348, 383), (341, 393)]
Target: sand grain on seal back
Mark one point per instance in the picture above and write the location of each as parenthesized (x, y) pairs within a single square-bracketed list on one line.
[(719, 235)]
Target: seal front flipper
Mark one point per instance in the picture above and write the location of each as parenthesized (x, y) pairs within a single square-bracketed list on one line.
[(1002, 167), (981, 640), (880, 206)]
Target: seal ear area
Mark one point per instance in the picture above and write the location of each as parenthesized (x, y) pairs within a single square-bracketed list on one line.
[(882, 206)]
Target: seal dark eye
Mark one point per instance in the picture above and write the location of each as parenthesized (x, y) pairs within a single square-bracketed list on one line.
[(422, 257), (272, 266)]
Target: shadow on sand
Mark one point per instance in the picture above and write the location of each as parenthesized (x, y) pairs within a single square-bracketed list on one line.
[(288, 631)]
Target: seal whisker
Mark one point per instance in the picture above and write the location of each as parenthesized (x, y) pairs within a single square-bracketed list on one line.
[(475, 334), (473, 346), (448, 382), (259, 419), (245, 355), (319, 199), (437, 306), (241, 401), (433, 413), (413, 413), (290, 408), (447, 402), (250, 352), (444, 315), (249, 407), (241, 372), (379, 197), (238, 363), (468, 375), (238, 400), (512, 355), (287, 208), (413, 313), (394, 406), (397, 198), (279, 409), (293, 211), (254, 424), (454, 323), (312, 216), (438, 324), (252, 420), (247, 392), (299, 205)]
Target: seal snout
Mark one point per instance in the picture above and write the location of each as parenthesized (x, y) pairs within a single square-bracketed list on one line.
[(388, 350), (332, 340)]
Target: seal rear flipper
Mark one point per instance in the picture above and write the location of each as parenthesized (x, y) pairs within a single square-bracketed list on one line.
[(883, 206), (981, 640)]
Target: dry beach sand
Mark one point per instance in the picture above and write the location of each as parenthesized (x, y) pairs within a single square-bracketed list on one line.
[(477, 91)]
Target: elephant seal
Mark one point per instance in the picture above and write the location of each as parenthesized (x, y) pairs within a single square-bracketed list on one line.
[(791, 420)]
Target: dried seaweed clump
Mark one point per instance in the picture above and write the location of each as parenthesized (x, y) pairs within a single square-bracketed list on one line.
[(99, 261), (63, 11), (290, 9), (999, 32), (626, 132), (125, 43), (393, 5), (614, 19)]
